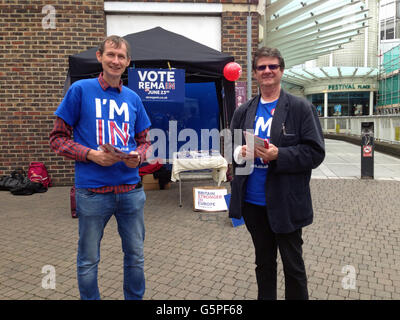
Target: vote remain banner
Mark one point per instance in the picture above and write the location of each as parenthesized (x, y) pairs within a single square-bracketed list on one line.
[(163, 85)]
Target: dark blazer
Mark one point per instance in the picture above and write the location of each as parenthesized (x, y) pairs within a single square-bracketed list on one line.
[(297, 132)]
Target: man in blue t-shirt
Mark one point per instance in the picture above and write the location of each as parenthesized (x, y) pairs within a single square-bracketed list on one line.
[(270, 188), (109, 126)]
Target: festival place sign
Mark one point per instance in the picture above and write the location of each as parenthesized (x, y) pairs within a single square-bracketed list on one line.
[(163, 85), (348, 86)]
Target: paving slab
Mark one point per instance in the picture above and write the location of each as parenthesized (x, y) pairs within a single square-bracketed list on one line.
[(351, 251)]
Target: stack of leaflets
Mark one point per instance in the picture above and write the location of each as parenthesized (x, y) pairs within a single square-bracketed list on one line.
[(122, 155)]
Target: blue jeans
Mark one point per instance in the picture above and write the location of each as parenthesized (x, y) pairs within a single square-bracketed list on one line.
[(94, 210)]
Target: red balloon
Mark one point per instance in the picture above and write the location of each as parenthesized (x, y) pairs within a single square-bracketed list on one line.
[(232, 71)]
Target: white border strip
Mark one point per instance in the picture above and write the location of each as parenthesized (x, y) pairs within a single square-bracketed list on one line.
[(162, 7)]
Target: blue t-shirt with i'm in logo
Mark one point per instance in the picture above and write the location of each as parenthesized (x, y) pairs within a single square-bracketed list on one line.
[(255, 192), (103, 116)]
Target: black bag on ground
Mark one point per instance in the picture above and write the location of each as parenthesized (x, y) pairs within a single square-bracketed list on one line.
[(15, 180), (27, 187), (163, 175)]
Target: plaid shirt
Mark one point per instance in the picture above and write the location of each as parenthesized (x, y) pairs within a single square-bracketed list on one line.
[(62, 143)]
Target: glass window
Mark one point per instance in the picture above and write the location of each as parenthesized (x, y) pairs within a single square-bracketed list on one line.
[(390, 19), (348, 103), (359, 103), (398, 9), (387, 29), (338, 104), (318, 101), (342, 103)]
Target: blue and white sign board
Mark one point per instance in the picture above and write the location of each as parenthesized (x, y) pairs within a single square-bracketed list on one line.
[(163, 85), (209, 199)]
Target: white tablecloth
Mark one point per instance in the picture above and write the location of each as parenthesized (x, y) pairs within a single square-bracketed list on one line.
[(193, 160)]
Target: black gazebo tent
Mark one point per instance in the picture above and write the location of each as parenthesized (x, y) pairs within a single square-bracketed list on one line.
[(157, 47)]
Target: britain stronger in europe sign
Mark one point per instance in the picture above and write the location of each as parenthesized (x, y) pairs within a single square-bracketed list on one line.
[(158, 84)]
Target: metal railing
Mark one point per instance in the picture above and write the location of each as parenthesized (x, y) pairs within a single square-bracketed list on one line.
[(386, 127)]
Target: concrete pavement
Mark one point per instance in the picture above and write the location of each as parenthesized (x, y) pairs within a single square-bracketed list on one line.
[(351, 251), (343, 161)]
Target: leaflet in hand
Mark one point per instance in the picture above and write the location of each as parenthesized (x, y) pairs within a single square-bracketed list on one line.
[(252, 140), (122, 155)]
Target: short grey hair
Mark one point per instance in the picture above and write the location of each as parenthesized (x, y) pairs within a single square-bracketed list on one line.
[(117, 41)]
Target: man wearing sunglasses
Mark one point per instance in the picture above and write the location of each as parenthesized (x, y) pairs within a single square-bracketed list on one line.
[(274, 196)]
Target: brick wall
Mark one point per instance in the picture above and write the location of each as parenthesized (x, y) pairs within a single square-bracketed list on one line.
[(33, 65), (234, 30), (234, 38), (34, 62), (194, 1)]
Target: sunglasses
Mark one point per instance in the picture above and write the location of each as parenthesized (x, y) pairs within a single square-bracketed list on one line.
[(270, 67)]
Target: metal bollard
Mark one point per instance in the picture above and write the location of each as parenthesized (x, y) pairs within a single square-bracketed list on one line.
[(367, 150)]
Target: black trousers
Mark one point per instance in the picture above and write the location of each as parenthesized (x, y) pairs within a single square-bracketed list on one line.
[(266, 243)]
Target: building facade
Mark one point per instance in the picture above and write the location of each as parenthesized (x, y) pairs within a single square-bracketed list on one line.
[(389, 82), (388, 99), (389, 24), (37, 37), (343, 82)]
